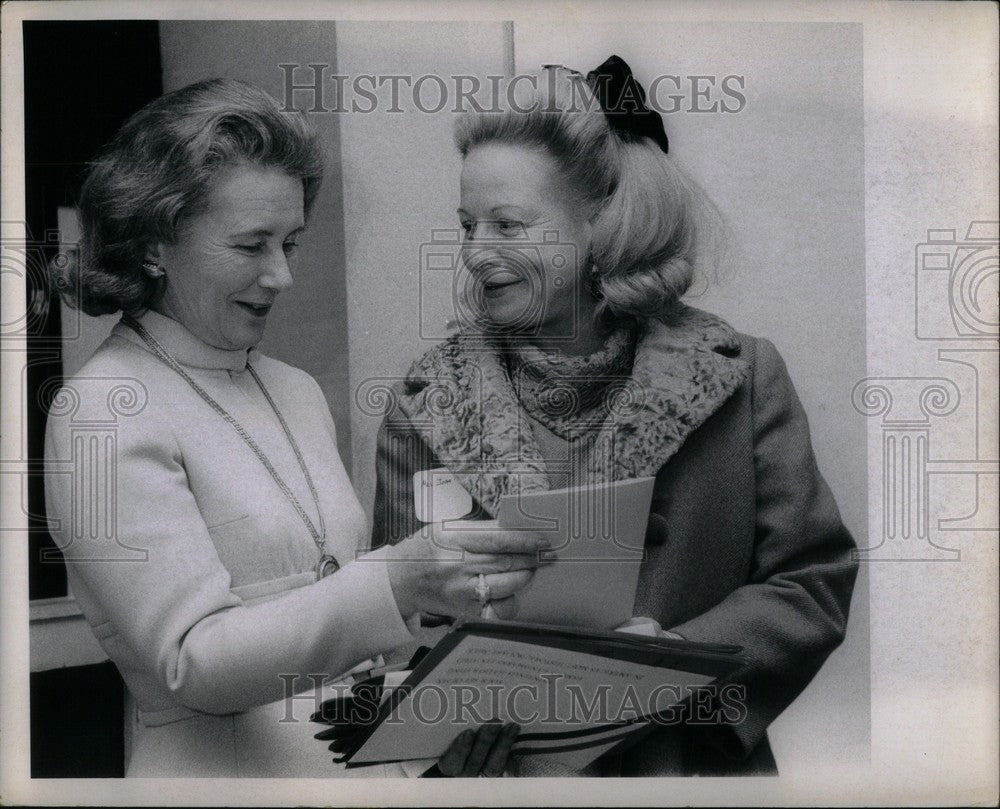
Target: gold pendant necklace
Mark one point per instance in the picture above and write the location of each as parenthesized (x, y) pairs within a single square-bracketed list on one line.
[(327, 563)]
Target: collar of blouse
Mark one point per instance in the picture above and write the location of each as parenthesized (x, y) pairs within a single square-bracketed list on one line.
[(183, 346)]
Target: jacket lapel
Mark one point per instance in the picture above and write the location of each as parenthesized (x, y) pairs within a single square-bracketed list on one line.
[(459, 392), (685, 369)]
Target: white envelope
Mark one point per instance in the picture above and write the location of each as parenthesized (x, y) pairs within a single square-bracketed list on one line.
[(438, 497)]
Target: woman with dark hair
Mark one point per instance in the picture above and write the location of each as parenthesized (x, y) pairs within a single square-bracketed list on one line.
[(577, 363), (213, 541)]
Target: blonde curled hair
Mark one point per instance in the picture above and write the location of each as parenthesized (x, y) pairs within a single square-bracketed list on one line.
[(639, 202)]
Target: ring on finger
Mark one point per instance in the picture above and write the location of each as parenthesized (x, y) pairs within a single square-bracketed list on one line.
[(483, 589)]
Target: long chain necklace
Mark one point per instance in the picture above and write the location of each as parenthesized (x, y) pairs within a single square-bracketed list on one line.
[(327, 562)]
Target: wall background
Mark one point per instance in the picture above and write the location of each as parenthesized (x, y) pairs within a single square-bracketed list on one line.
[(400, 183)]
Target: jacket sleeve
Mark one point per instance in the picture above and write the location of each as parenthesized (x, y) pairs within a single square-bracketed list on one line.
[(400, 454), (792, 611), (147, 576)]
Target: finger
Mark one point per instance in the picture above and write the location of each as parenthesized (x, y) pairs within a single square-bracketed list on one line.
[(499, 541), (504, 585), (504, 562), (453, 760), (485, 737), (344, 744), (496, 761), (336, 711), (336, 732), (369, 683), (369, 690), (506, 608)]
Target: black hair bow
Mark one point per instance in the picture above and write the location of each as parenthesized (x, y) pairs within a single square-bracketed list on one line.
[(624, 103)]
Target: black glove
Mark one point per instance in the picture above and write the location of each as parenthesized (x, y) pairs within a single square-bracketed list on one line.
[(350, 716)]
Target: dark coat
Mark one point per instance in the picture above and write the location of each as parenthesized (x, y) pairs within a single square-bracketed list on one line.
[(745, 546)]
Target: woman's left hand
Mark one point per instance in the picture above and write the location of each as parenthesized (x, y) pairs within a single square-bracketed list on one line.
[(647, 626), (479, 753)]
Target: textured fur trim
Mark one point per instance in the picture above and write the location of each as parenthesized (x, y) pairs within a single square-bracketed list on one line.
[(459, 395)]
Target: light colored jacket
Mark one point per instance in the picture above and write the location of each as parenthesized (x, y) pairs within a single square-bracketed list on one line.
[(193, 570)]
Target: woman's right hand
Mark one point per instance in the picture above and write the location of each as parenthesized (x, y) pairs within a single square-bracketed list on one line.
[(481, 753), (436, 570)]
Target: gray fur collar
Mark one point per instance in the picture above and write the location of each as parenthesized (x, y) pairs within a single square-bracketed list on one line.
[(459, 398)]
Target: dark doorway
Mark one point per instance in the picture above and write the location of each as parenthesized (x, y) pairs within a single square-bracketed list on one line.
[(82, 80)]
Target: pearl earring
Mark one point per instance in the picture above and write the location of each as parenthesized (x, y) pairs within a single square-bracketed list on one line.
[(152, 269)]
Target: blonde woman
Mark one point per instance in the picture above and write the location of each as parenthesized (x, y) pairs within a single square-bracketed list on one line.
[(578, 363)]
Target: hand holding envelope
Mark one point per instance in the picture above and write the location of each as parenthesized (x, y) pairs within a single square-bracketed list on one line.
[(455, 568), (598, 531)]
